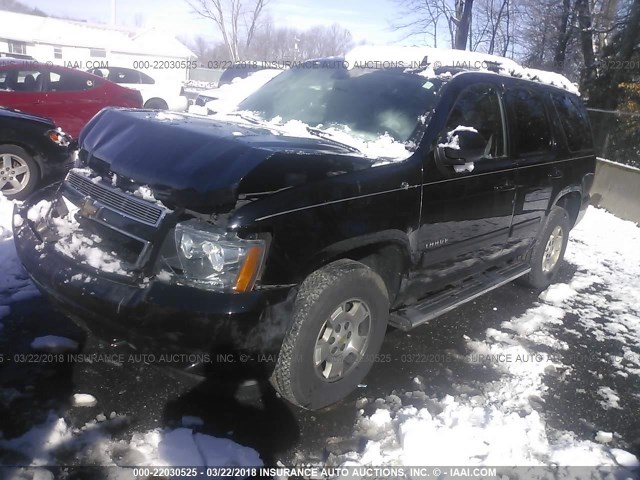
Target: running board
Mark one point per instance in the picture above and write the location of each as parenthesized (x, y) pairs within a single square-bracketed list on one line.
[(440, 303)]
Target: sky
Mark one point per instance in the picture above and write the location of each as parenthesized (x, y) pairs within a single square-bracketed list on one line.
[(368, 20)]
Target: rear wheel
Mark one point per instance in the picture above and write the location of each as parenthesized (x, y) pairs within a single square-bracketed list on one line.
[(548, 251), (339, 322), (156, 104), (19, 173)]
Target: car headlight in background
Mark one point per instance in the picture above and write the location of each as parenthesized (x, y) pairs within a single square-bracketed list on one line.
[(212, 259)]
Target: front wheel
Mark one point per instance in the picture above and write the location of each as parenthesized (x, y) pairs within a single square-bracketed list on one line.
[(548, 251), (19, 173), (339, 322)]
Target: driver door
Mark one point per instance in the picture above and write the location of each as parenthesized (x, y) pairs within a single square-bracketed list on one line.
[(467, 211)]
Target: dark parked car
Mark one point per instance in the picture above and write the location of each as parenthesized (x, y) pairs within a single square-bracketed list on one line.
[(68, 96), (218, 236), (32, 150)]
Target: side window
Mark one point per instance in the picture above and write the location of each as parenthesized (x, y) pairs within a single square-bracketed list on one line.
[(69, 81), (146, 79), (28, 81), (4, 81), (124, 76), (574, 121), (479, 107), (530, 129)]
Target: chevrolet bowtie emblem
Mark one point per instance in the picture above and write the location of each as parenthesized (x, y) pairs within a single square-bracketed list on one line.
[(89, 208)]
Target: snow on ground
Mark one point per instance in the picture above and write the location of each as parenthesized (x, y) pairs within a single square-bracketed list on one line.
[(54, 344), (503, 424), (14, 281), (84, 400), (92, 444)]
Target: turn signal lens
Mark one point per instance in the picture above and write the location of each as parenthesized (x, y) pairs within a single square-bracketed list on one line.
[(249, 271)]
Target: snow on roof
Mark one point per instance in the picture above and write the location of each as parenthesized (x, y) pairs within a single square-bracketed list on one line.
[(57, 31), (428, 59)]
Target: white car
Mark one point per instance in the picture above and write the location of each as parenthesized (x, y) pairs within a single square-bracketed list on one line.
[(155, 95), (227, 96)]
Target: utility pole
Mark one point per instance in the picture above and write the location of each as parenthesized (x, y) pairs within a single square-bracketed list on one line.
[(113, 12)]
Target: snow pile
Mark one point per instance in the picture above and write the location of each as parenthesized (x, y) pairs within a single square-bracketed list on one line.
[(80, 246), (385, 147), (610, 398), (92, 444), (375, 56), (228, 96), (453, 142), (83, 400), (15, 284), (503, 421), (54, 344)]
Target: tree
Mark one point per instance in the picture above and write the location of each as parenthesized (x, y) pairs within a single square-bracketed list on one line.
[(19, 7), (492, 27), (281, 45), (462, 20), (235, 20), (423, 17)]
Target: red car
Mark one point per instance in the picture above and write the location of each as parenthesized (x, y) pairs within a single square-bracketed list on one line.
[(69, 97)]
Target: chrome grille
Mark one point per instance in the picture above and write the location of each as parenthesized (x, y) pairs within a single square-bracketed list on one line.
[(116, 200)]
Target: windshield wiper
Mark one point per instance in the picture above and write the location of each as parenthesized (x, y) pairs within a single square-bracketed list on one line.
[(247, 118), (327, 136)]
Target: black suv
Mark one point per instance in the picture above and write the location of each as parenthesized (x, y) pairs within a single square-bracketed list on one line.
[(199, 235)]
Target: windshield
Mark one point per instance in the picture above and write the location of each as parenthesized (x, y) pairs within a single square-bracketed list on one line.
[(370, 102)]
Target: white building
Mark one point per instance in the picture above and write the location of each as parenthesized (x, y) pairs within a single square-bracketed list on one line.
[(85, 45)]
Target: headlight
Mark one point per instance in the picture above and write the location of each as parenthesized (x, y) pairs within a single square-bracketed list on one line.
[(215, 260)]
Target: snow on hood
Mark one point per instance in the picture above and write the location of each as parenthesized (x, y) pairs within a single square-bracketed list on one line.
[(372, 56), (385, 147), (228, 96)]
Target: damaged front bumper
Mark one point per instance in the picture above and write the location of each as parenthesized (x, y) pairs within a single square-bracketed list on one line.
[(151, 315)]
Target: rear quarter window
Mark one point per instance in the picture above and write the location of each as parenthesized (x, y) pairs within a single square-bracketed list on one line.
[(574, 121)]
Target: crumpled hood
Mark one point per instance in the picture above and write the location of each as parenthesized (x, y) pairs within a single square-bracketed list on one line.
[(201, 162)]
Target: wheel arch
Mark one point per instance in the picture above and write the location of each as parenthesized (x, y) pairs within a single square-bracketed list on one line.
[(386, 253), (31, 150), (571, 200)]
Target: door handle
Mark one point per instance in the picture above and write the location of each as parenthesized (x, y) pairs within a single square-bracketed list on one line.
[(505, 187), (555, 173)]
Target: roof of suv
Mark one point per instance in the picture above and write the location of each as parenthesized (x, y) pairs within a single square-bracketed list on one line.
[(431, 62)]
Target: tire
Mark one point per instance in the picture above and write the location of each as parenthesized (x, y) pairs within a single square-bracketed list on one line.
[(156, 104), (548, 250), (14, 185), (300, 375)]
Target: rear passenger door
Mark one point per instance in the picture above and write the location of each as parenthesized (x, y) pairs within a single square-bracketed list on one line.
[(73, 98), (534, 149), (466, 214)]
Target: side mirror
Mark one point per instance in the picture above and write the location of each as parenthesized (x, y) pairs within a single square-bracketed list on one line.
[(463, 145)]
